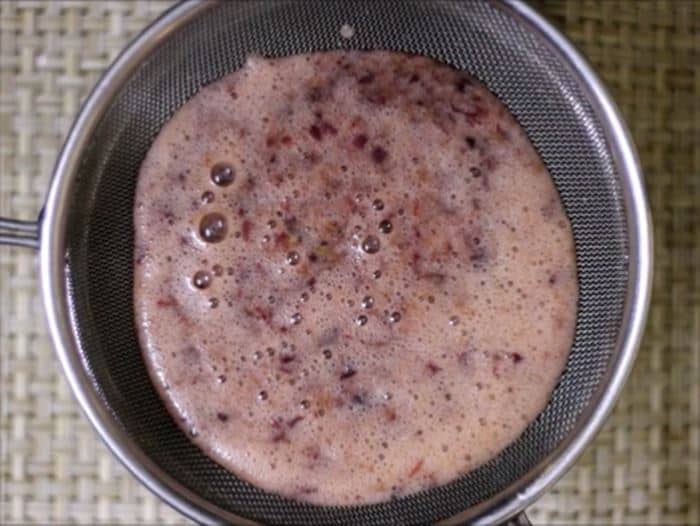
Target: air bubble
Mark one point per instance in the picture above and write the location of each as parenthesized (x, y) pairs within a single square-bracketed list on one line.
[(361, 320), (395, 317), (295, 319), (385, 227), (213, 303), (367, 302), (201, 279), (378, 204), (207, 197), (262, 396), (371, 245), (454, 320), (293, 258), (222, 174), (213, 227)]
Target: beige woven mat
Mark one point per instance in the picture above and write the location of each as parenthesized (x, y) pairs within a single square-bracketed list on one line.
[(644, 468)]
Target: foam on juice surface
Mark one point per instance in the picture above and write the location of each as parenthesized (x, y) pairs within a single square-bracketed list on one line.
[(354, 278)]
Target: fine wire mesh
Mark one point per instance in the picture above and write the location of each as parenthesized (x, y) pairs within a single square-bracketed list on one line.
[(474, 36)]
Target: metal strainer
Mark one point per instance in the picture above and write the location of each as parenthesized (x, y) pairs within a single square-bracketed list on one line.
[(86, 242)]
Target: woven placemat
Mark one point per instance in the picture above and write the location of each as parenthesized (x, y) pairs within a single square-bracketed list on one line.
[(644, 468)]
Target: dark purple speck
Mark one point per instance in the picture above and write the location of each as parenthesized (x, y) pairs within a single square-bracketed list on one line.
[(315, 132), (359, 140), (379, 154), (349, 372)]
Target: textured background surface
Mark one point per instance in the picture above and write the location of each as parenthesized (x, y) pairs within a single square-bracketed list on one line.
[(644, 468)]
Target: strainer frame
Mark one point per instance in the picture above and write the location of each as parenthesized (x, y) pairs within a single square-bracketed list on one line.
[(510, 501)]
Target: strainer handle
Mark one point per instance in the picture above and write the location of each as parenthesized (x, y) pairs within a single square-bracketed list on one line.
[(19, 233)]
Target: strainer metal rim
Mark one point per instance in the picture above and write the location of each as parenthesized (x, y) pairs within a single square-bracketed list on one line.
[(499, 508)]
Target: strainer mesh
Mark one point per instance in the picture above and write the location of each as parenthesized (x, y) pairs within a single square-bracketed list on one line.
[(477, 37)]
